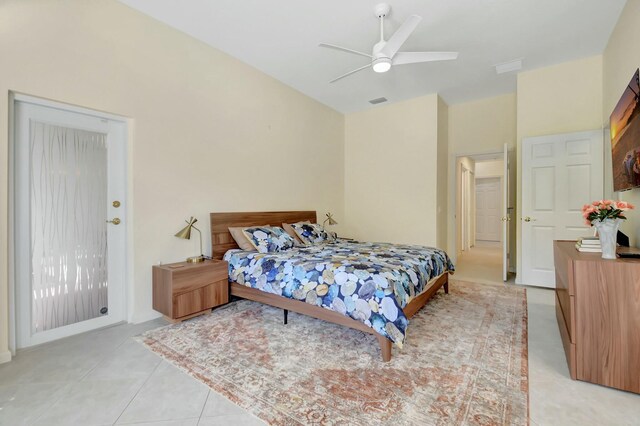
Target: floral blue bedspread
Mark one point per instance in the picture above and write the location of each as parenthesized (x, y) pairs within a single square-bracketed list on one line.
[(369, 282)]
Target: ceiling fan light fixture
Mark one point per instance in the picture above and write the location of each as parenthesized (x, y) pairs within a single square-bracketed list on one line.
[(386, 52), (381, 65)]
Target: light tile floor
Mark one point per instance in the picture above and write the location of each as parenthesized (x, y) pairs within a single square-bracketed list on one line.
[(105, 378)]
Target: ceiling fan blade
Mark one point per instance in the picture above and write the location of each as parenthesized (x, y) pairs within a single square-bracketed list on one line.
[(349, 73), (416, 57), (344, 49), (400, 36)]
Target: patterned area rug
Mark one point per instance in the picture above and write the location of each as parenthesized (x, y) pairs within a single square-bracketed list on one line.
[(464, 362)]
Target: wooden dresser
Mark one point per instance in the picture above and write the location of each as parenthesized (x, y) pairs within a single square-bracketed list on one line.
[(598, 312), (183, 290)]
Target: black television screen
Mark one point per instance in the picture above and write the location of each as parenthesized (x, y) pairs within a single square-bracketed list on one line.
[(625, 137)]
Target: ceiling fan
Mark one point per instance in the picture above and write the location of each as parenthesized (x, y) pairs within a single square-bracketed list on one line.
[(385, 52)]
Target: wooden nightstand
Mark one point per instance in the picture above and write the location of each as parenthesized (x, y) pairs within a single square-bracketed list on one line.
[(184, 290)]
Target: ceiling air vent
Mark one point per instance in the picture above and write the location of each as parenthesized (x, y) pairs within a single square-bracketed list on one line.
[(505, 67), (377, 101)]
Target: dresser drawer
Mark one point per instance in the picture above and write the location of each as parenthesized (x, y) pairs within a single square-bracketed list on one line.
[(569, 346), (564, 272), (567, 306)]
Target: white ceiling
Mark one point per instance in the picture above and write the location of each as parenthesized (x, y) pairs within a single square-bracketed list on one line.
[(281, 39)]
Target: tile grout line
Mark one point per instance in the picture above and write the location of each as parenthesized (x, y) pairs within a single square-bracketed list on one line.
[(204, 405), (138, 391), (100, 361), (53, 403), (104, 357)]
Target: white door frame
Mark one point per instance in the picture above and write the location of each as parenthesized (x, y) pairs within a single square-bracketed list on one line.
[(506, 217), (464, 208), (126, 169), (453, 165), (471, 209)]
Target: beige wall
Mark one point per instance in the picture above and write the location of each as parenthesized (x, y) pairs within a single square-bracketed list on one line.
[(486, 169), (442, 207), (558, 99), (483, 125), (391, 172), (621, 59), (209, 132), (478, 127)]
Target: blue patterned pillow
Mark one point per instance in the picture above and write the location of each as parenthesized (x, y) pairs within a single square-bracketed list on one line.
[(312, 233), (267, 239)]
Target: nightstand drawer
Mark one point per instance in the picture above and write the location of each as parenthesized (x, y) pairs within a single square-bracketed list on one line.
[(216, 293), (200, 299), (194, 278), (188, 303)]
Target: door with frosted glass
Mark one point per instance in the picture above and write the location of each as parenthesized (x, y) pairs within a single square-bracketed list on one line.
[(69, 211)]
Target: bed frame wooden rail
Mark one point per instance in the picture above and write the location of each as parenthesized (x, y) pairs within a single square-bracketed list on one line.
[(221, 241)]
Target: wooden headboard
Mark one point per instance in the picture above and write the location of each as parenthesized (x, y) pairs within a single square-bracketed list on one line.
[(221, 239)]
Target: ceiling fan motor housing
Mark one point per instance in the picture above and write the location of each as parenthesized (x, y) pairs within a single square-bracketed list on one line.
[(380, 61), (381, 10)]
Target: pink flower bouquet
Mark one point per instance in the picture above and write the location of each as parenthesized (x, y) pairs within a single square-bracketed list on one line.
[(605, 209)]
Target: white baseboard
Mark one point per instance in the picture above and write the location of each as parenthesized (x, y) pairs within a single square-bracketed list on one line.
[(5, 357), (144, 317)]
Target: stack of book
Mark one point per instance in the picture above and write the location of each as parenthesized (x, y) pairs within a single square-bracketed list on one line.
[(589, 245)]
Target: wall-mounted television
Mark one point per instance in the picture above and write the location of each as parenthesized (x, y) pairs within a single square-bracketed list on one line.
[(625, 137)]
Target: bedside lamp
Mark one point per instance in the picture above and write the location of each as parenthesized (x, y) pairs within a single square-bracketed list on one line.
[(330, 220), (185, 234)]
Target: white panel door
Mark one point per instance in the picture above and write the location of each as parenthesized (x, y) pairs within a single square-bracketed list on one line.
[(560, 173), (488, 200)]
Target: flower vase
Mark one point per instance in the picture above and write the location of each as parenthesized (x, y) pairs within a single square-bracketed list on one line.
[(608, 233)]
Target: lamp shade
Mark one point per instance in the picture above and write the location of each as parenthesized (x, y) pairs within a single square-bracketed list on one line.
[(330, 220), (185, 233)]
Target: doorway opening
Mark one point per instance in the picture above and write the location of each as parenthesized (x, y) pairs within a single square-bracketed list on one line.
[(482, 217)]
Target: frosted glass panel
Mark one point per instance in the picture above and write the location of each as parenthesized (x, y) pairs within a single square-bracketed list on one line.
[(68, 195)]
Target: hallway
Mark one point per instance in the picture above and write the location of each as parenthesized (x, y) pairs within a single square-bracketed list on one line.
[(482, 264)]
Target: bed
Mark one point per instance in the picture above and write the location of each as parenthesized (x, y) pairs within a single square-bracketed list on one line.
[(400, 279)]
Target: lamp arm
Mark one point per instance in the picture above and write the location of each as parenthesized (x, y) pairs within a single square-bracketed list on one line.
[(325, 221), (199, 233)]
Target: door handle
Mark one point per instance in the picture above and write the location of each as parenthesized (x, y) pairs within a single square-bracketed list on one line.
[(505, 218), (528, 219), (115, 221)]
